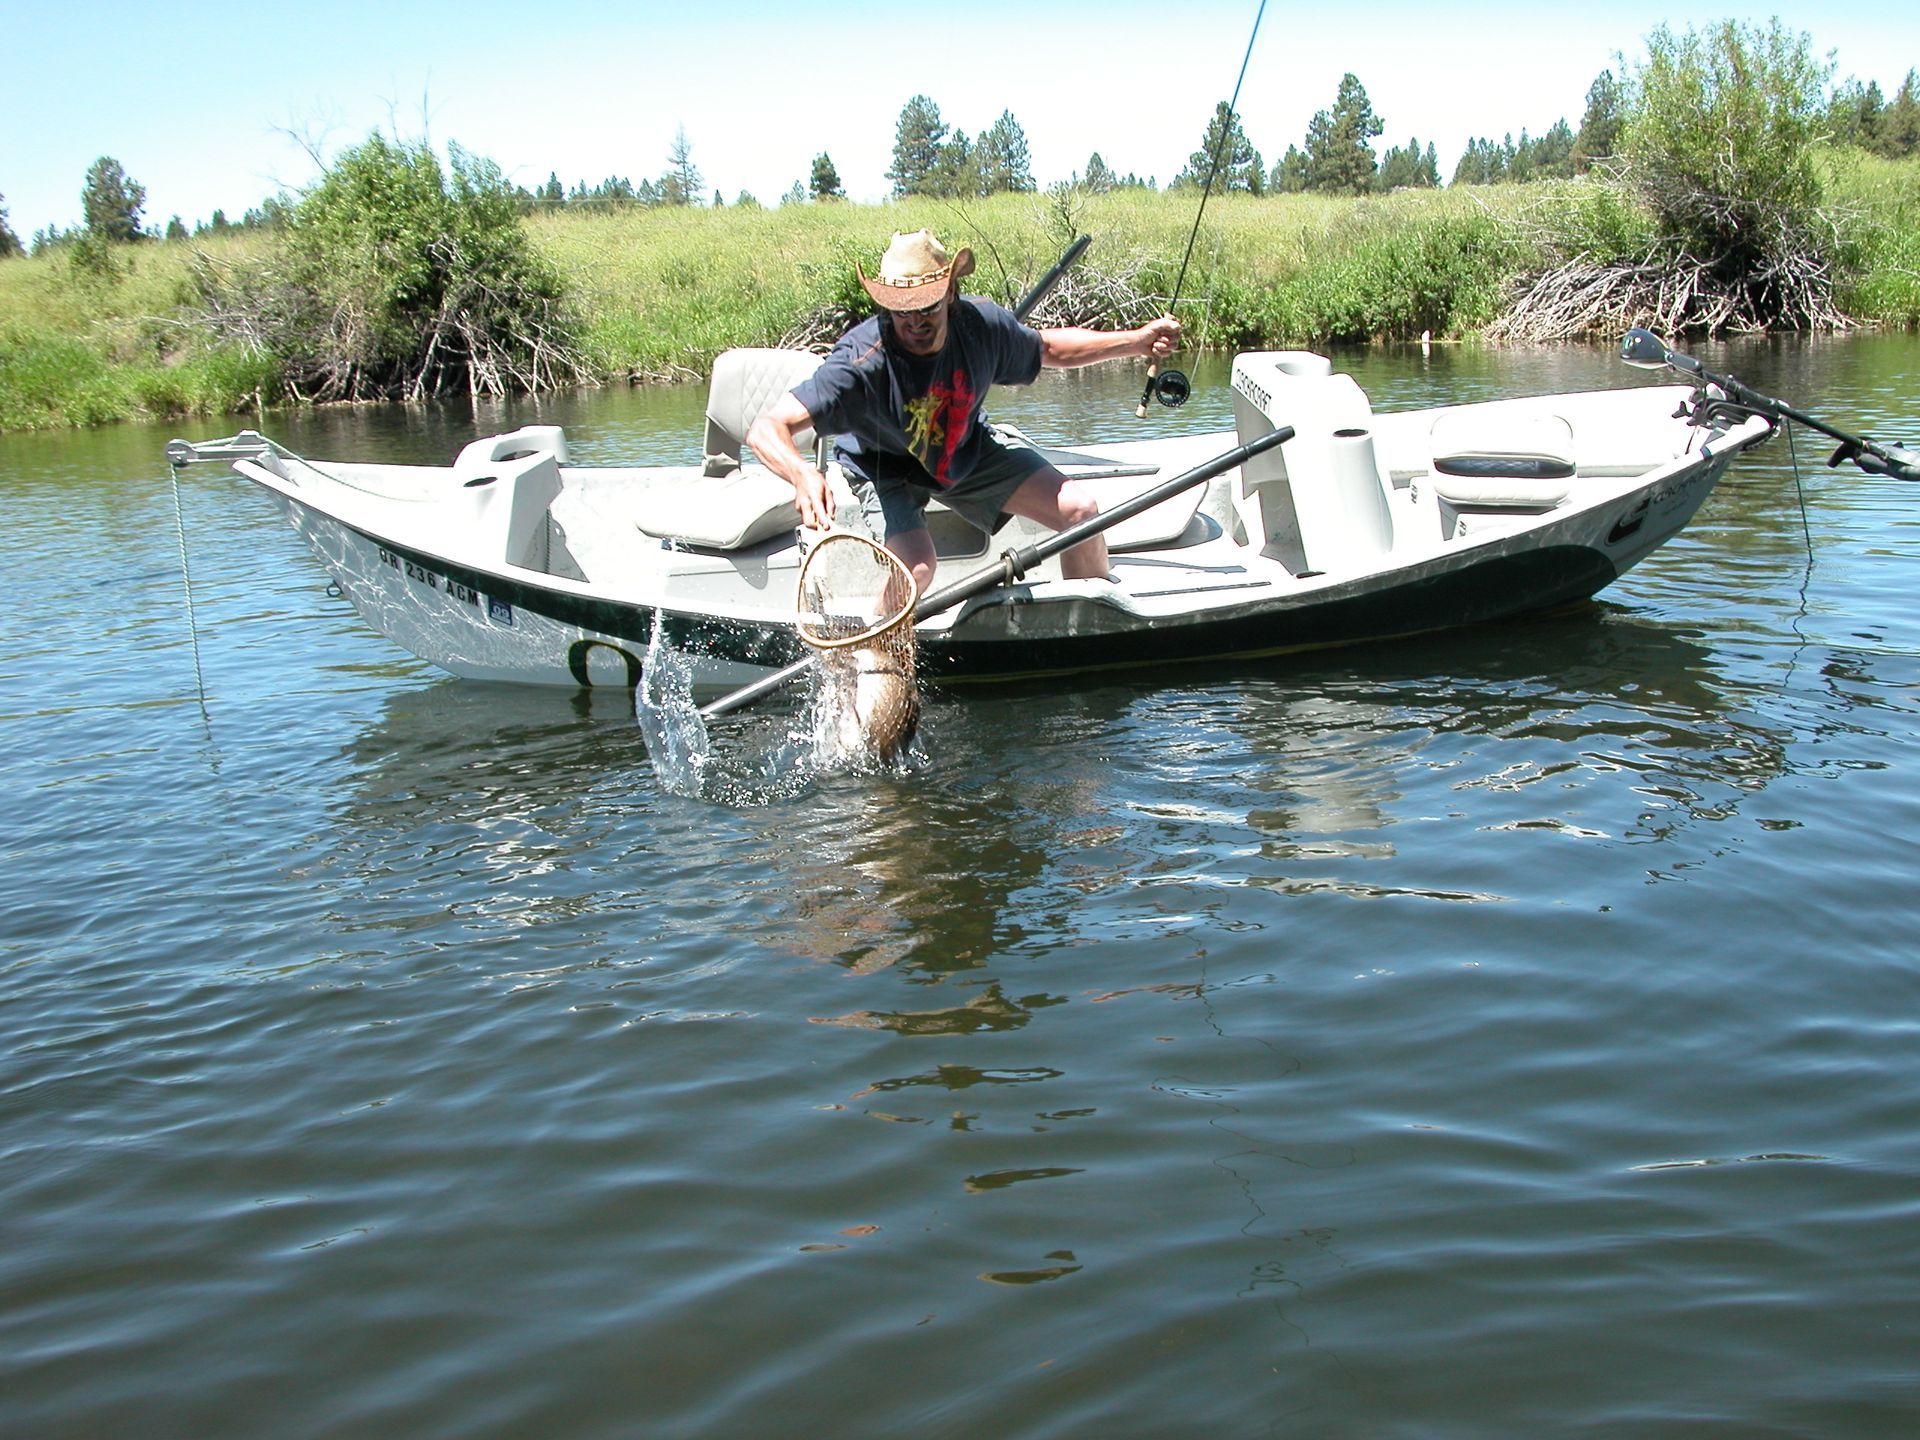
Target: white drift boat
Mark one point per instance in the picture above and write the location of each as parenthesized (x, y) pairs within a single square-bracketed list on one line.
[(514, 564)]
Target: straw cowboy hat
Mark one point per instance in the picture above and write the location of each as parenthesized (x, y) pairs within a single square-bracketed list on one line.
[(916, 272)]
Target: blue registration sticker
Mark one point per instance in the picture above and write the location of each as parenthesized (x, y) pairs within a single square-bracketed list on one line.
[(499, 611)]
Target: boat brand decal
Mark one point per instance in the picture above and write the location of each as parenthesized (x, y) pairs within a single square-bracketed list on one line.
[(1627, 524), (580, 651)]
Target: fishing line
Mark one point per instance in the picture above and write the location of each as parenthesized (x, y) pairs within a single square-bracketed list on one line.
[(1806, 575), (1171, 387), (1213, 171)]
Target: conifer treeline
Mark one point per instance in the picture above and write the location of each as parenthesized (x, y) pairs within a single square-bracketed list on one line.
[(1336, 156)]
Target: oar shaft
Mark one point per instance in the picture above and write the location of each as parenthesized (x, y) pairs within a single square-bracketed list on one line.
[(1014, 563), (1024, 559), (1051, 278)]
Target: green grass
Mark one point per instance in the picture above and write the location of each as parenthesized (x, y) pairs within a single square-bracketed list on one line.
[(1881, 199), (662, 292), (659, 293), (80, 347)]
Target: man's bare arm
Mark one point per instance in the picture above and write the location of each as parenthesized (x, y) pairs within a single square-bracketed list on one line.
[(771, 437)]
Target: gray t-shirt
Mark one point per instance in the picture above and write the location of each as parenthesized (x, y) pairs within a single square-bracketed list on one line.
[(912, 417)]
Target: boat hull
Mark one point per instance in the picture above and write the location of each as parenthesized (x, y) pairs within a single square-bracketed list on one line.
[(503, 626)]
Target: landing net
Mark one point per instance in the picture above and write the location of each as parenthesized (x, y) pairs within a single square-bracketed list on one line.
[(856, 608), (855, 594)]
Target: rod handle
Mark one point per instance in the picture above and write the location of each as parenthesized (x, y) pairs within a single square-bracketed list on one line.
[(1153, 371)]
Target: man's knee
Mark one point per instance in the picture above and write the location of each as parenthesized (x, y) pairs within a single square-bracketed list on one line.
[(1077, 504), (915, 550)]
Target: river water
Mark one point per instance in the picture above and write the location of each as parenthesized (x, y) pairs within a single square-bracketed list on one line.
[(1509, 1033)]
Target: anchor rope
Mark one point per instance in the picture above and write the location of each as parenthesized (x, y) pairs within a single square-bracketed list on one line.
[(186, 582)]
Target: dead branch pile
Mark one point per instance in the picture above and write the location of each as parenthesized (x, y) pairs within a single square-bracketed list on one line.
[(1670, 293), (1677, 249), (488, 336)]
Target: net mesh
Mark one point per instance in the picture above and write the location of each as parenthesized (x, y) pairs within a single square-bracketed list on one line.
[(854, 593), (856, 608)]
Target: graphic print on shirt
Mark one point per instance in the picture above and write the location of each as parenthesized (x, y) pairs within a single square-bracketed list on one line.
[(937, 422)]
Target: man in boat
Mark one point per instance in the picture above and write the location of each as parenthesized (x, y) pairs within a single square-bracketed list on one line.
[(902, 392)]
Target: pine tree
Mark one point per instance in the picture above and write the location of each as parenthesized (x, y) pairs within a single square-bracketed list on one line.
[(1339, 142), (956, 171), (682, 183), (825, 184), (1408, 166), (1553, 152), (1239, 164), (1289, 175), (112, 201), (1099, 178), (1002, 160), (1600, 127), (9, 242), (917, 141), (1900, 135), (795, 196), (1856, 115)]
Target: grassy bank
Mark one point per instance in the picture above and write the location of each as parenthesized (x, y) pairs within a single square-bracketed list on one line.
[(83, 346), (659, 292), (663, 291)]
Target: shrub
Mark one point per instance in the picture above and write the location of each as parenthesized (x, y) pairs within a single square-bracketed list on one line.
[(1712, 219), (394, 278)]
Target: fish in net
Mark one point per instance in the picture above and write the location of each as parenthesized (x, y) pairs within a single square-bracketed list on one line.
[(856, 612)]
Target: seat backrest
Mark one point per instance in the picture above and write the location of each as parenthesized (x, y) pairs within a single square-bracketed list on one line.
[(746, 384)]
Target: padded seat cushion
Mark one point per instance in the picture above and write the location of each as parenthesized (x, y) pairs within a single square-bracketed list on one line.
[(1502, 462), (726, 513)]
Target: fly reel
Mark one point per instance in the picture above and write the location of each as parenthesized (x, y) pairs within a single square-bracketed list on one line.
[(1169, 387)]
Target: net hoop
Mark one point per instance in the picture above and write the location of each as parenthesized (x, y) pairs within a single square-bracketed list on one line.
[(835, 545)]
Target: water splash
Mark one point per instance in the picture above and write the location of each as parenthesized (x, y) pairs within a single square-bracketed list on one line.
[(774, 752), (670, 723)]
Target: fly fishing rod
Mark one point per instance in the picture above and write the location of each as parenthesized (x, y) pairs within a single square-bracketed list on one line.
[(1643, 348), (1171, 387)]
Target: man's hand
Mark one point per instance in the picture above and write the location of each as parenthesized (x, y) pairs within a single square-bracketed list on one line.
[(1160, 338), (811, 498)]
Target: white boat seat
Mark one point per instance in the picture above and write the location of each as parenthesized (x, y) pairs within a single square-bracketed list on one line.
[(746, 384), (1503, 463), (725, 512)]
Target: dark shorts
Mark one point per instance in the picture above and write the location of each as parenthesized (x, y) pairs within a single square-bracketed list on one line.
[(891, 506)]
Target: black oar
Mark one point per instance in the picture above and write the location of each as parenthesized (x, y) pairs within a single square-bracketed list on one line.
[(1643, 348), (1013, 564), (1051, 278)]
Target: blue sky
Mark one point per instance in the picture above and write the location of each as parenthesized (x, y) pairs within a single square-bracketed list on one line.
[(216, 105)]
